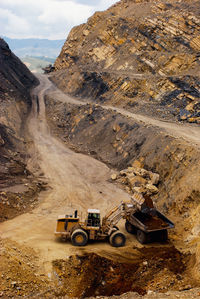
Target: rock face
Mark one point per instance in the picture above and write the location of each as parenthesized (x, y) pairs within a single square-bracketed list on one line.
[(15, 103), (15, 78), (143, 55), (15, 83)]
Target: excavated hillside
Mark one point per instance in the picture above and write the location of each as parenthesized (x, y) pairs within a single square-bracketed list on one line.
[(128, 120), (141, 55), (16, 190), (134, 73)]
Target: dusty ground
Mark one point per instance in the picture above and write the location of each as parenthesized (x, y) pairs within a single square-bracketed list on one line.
[(31, 253)]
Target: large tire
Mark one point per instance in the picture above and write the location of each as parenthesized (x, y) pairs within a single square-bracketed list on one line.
[(117, 239), (164, 235), (142, 237), (131, 229), (79, 238), (115, 228)]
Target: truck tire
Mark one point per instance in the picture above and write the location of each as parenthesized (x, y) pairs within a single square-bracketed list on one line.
[(79, 238), (117, 239), (142, 237), (130, 228), (164, 235)]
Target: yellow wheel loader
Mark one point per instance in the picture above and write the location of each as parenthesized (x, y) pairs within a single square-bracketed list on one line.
[(71, 227)]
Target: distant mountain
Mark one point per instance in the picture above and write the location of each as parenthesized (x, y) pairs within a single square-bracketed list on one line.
[(35, 47)]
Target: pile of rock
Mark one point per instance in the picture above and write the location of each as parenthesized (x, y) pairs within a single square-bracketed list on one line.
[(137, 179)]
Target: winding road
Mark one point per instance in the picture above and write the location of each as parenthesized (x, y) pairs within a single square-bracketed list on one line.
[(188, 132)]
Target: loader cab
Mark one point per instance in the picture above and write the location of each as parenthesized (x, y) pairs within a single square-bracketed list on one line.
[(93, 218)]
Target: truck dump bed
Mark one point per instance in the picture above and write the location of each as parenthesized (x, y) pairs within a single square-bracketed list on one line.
[(148, 223)]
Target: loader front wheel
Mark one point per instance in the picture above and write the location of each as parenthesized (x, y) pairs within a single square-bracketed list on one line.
[(117, 239), (79, 238)]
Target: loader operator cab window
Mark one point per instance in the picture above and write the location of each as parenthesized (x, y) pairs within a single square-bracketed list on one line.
[(93, 218)]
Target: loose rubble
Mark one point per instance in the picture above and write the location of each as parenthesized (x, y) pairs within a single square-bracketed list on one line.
[(152, 268), (138, 179)]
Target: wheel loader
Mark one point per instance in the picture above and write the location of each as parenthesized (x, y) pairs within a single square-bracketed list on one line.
[(142, 219), (80, 232)]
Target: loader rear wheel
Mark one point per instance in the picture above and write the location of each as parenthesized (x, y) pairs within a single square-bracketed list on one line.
[(117, 239), (79, 238), (130, 228), (142, 237)]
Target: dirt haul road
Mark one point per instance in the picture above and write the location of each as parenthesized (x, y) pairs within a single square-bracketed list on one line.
[(76, 182), (188, 132)]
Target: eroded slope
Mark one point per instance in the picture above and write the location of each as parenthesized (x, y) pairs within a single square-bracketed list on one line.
[(15, 103)]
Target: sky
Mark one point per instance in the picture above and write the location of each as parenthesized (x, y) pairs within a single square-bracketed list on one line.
[(50, 19)]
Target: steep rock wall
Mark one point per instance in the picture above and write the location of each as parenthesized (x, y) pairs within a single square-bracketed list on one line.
[(15, 103), (143, 55)]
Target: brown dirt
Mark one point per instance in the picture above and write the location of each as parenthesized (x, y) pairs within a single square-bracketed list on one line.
[(159, 268), (19, 271), (18, 199), (152, 222)]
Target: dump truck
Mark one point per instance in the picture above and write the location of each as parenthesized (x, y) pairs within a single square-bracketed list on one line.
[(145, 221), (142, 218)]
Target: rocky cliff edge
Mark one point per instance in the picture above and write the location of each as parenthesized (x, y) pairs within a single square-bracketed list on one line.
[(16, 190)]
